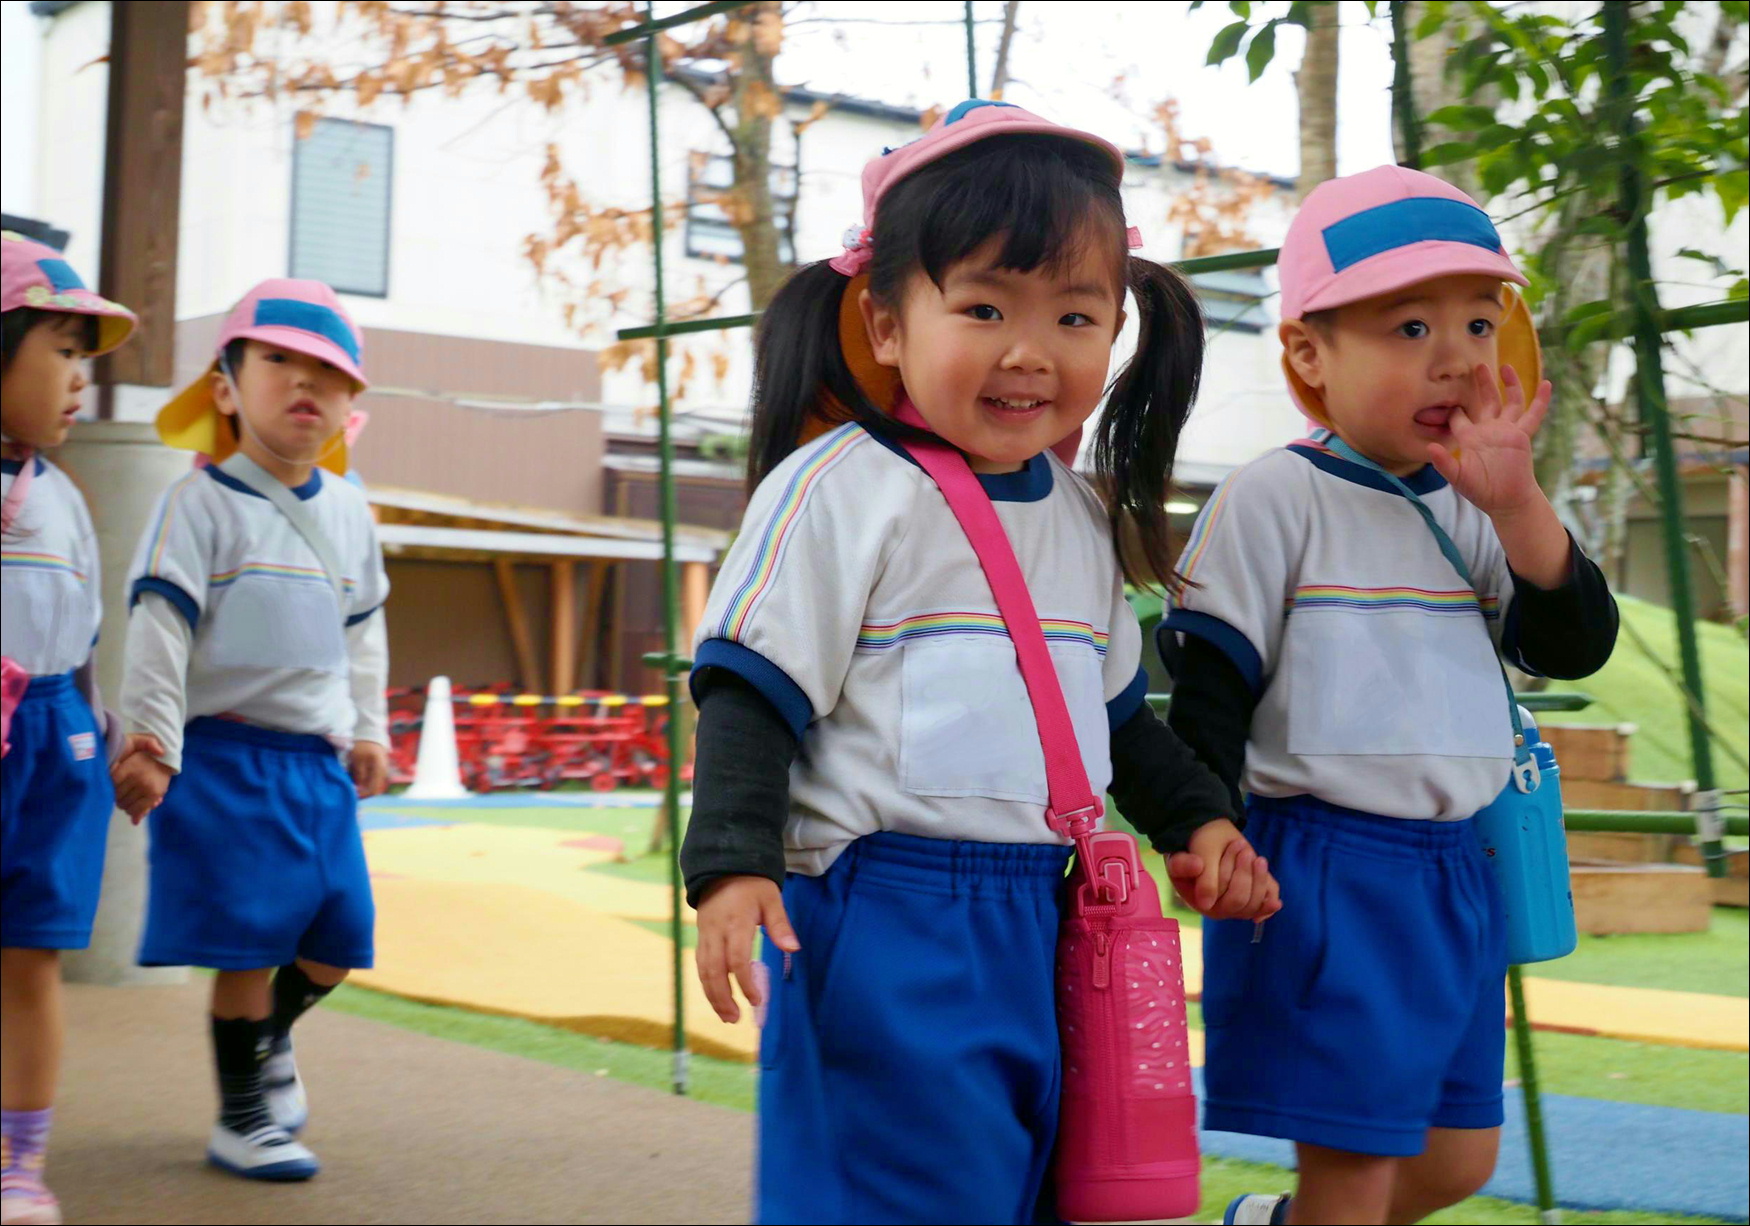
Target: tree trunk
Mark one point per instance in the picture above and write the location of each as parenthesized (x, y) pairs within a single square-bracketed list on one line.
[(999, 77), (1316, 85), (1432, 87), (756, 100)]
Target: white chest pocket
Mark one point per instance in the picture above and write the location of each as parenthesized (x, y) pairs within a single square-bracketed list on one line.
[(967, 726), (266, 622), (1397, 682)]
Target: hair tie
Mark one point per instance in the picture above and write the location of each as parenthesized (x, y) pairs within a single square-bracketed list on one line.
[(1133, 238), (859, 252)]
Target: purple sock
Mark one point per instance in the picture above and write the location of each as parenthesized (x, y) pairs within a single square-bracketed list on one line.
[(24, 1140)]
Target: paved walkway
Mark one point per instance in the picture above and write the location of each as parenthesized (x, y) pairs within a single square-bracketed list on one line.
[(410, 1129)]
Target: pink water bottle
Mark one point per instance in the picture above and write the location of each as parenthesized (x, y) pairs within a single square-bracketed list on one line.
[(1127, 1131)]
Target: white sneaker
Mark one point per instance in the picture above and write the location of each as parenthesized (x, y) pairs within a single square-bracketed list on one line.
[(268, 1153), (286, 1101), (1255, 1209)]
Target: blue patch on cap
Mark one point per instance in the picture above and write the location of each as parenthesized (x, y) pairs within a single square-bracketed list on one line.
[(1421, 219), (307, 317), (61, 275), (972, 104)]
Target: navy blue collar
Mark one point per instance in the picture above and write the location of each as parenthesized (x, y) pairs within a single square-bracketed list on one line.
[(306, 491), (1032, 483), (1425, 480), (13, 467)]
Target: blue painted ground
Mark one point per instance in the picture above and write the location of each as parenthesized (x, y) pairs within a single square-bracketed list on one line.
[(1603, 1155)]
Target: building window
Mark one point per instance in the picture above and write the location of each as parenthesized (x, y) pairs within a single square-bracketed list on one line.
[(342, 173), (710, 234), (1233, 301)]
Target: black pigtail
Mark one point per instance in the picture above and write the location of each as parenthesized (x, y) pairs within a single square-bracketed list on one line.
[(797, 359), (1145, 413)]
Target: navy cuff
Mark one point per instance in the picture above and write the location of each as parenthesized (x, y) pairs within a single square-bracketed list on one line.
[(773, 683), (356, 618), (1231, 643), (1120, 709), (184, 603)]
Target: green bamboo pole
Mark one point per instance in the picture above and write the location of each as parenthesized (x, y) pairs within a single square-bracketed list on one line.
[(671, 797), (651, 26), (1655, 417), (1540, 1168), (971, 54), (1403, 98)]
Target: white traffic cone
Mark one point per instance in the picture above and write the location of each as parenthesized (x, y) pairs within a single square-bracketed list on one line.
[(438, 773)]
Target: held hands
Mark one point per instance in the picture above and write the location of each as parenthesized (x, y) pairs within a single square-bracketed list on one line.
[(1222, 877), (1489, 463), (140, 778), (732, 909), (369, 764)]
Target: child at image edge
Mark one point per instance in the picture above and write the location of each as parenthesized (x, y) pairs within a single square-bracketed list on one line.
[(1337, 668), (252, 686), (869, 769), (55, 800)]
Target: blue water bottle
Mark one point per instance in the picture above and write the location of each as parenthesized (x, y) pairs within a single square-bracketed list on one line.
[(1527, 847)]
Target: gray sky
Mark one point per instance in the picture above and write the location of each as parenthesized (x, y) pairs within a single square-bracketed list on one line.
[(1068, 53)]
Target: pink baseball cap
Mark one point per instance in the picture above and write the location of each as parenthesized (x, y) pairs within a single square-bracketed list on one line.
[(973, 120), (303, 316), (35, 275), (1381, 230)]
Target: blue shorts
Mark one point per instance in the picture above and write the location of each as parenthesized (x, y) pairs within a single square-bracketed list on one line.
[(55, 803), (1371, 1009), (909, 1063), (256, 855)]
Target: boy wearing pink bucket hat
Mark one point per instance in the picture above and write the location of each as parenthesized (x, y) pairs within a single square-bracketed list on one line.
[(257, 660), (1342, 671), (55, 800)]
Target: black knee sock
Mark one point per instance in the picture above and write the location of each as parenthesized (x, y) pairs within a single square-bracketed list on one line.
[(239, 1047), (294, 994)]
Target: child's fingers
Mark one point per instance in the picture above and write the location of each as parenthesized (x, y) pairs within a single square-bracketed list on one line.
[(1532, 420), (1185, 864), (1488, 396), (777, 925), (741, 964), (714, 976), (1445, 463), (1236, 901)]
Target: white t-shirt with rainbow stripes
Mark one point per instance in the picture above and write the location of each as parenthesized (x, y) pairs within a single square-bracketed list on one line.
[(50, 604), (852, 600), (1373, 662), (268, 643)]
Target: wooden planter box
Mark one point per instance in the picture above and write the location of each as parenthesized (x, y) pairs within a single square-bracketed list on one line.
[(1591, 754), (1612, 897)]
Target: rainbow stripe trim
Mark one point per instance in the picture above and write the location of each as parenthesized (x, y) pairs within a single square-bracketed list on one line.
[(161, 534), (1368, 599), (829, 450), (273, 570), (1203, 529), (40, 561), (879, 636)]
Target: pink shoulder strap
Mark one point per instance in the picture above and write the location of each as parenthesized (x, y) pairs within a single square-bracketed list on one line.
[(1074, 810), (20, 487)]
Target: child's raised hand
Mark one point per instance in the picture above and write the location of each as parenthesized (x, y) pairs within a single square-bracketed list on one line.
[(140, 778), (1222, 877), (1489, 462), (369, 764), (732, 909)]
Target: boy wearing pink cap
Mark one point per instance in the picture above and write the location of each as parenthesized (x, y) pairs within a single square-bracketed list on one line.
[(1338, 669), (257, 659)]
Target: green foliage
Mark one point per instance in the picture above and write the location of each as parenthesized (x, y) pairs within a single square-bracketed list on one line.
[(1261, 48)]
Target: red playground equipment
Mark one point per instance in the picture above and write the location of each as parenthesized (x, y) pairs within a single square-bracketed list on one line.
[(508, 740)]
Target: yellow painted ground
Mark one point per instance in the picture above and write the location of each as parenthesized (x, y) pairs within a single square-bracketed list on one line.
[(509, 949), (511, 920)]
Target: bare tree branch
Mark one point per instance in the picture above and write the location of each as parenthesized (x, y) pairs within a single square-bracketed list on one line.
[(999, 76)]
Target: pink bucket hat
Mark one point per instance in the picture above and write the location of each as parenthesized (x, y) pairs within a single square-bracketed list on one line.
[(303, 316), (34, 274), (1386, 229)]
